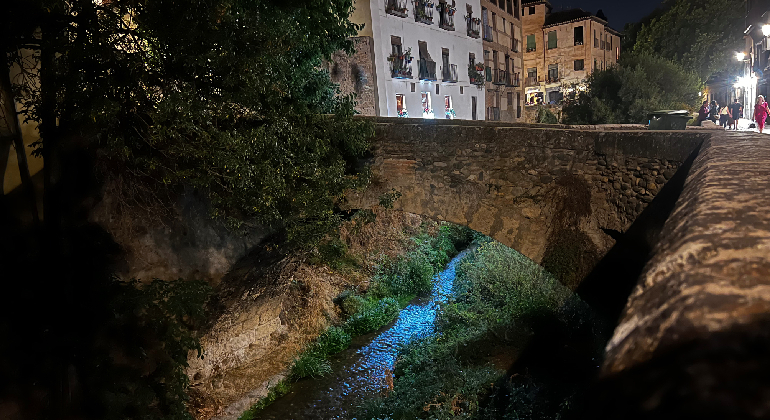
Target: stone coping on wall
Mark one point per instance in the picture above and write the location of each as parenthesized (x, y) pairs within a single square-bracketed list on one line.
[(710, 271)]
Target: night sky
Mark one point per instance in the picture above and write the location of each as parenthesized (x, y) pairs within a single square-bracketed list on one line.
[(619, 12)]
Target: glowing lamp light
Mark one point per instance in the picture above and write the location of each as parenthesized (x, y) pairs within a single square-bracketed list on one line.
[(766, 30), (745, 82), (740, 56)]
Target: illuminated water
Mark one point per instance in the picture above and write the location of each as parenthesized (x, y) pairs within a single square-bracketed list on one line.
[(363, 369)]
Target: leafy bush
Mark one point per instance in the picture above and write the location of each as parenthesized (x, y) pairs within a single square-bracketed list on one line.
[(373, 316), (332, 341), (545, 116), (310, 364), (628, 92), (352, 303)]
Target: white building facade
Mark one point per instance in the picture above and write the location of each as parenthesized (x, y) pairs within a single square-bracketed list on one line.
[(422, 51)]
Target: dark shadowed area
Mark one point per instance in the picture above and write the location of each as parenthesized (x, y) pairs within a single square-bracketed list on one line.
[(618, 13)]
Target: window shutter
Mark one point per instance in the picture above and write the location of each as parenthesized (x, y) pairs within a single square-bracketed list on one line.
[(530, 42), (552, 40)]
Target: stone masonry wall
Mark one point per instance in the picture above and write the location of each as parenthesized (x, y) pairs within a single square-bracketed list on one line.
[(519, 184)]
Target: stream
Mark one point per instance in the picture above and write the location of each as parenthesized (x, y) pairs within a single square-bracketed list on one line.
[(364, 369)]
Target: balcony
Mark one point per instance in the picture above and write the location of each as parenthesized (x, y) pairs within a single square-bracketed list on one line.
[(474, 26), (476, 74), (446, 16), (427, 70), (552, 79), (513, 80), (423, 11), (396, 8), (400, 66), (488, 33), (449, 73), (500, 77), (531, 81)]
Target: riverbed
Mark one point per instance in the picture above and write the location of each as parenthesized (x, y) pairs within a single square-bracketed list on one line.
[(365, 368)]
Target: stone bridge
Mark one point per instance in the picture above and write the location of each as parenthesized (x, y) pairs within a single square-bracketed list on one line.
[(557, 196), (670, 232)]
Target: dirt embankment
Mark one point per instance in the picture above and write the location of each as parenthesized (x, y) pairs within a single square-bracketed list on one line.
[(269, 307)]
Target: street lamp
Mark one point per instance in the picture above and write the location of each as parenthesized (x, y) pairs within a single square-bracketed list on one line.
[(766, 30), (740, 56)]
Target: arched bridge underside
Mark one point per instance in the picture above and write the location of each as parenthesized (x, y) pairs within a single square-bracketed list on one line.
[(555, 195), (690, 269)]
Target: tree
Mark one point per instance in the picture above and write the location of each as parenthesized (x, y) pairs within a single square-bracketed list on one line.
[(701, 36), (223, 96), (226, 96), (628, 92)]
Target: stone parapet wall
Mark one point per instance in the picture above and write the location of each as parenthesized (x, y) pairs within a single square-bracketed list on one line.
[(710, 270), (515, 182)]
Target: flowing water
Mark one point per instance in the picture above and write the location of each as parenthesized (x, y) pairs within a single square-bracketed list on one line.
[(364, 369)]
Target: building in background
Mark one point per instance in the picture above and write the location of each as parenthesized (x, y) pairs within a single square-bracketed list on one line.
[(412, 59), (562, 48), (503, 59)]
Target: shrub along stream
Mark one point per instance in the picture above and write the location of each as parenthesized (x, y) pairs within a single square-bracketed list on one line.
[(501, 299), (395, 283)]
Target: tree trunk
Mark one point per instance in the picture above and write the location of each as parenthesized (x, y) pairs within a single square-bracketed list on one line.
[(10, 132)]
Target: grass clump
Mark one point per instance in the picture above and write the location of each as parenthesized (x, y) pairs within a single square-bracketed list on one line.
[(373, 316), (332, 341), (279, 390), (310, 364)]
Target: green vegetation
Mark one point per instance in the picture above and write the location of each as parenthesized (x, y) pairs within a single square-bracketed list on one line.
[(279, 390), (501, 299), (700, 36), (626, 93), (545, 116), (395, 283)]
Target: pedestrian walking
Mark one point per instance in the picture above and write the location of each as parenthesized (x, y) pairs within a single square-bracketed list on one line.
[(761, 112), (724, 116), (714, 111), (736, 110)]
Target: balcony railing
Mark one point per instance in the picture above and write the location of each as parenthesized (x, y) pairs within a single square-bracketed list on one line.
[(513, 80), (530, 49), (400, 66), (449, 73), (488, 33), (531, 81), (423, 11), (500, 77), (446, 17), (427, 70), (552, 79), (474, 26), (396, 7)]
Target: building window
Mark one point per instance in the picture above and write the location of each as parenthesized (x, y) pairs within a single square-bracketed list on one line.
[(461, 90), (596, 64), (553, 73), (509, 6), (578, 35), (579, 65), (427, 108), (531, 44), (471, 59), (552, 43), (395, 45), (510, 99), (401, 106), (494, 21), (596, 40), (532, 10)]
